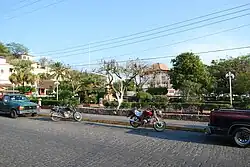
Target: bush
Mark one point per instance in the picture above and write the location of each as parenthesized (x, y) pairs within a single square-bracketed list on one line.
[(69, 101), (25, 89), (126, 105), (158, 91), (47, 102), (110, 104), (200, 106), (160, 98), (190, 107), (144, 96)]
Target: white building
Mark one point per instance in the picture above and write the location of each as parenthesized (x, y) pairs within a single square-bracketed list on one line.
[(27, 57), (159, 77), (5, 71)]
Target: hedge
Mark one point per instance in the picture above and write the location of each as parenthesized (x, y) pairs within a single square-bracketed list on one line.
[(163, 105), (47, 102)]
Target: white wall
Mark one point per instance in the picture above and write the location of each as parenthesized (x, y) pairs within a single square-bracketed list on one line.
[(4, 71)]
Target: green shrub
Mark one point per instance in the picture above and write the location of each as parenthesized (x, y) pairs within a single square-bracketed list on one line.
[(201, 106), (158, 91), (165, 105), (160, 98), (126, 105), (110, 104), (25, 89), (144, 96), (47, 102), (69, 101)]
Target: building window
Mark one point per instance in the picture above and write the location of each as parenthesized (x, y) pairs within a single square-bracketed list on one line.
[(163, 78), (11, 70), (2, 71)]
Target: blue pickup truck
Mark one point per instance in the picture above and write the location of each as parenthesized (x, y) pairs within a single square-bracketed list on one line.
[(17, 104)]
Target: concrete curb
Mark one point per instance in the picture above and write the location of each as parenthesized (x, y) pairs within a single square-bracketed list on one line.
[(111, 122)]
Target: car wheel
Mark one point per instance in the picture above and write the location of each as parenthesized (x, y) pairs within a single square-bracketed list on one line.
[(13, 113), (34, 114), (242, 137)]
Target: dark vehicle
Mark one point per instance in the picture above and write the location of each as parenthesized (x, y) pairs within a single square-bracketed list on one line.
[(61, 112), (17, 104), (148, 116), (231, 122)]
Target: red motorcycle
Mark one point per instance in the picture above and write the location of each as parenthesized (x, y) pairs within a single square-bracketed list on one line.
[(148, 116)]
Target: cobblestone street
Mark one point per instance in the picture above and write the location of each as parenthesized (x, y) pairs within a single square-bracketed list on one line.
[(27, 142)]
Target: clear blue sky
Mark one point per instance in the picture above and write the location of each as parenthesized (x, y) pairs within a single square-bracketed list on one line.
[(76, 22)]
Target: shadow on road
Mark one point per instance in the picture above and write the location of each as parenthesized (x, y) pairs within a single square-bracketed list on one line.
[(8, 116), (46, 119), (174, 135)]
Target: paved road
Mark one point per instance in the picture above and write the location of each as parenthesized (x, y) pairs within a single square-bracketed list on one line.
[(27, 142)]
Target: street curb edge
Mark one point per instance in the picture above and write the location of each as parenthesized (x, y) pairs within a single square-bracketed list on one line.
[(111, 122)]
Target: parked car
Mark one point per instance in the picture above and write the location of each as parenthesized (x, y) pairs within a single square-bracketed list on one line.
[(231, 122), (17, 104)]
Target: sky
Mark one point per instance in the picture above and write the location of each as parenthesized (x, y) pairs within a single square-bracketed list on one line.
[(71, 23)]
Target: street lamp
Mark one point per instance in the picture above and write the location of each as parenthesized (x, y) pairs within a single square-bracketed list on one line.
[(230, 76), (57, 84)]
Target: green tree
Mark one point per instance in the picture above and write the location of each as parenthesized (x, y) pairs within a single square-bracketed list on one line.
[(239, 66), (45, 62), (241, 85), (59, 71), (44, 76), (4, 50), (123, 74), (91, 86), (17, 49), (75, 79), (22, 74), (144, 96), (189, 69)]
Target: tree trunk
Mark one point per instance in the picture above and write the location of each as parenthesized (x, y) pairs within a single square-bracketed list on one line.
[(120, 100), (119, 97)]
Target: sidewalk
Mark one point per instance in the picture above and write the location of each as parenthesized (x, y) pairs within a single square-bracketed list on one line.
[(111, 119)]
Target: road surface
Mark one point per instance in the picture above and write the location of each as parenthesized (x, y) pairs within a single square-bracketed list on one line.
[(27, 142)]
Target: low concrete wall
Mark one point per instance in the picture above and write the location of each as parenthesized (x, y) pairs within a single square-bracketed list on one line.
[(124, 112), (104, 111)]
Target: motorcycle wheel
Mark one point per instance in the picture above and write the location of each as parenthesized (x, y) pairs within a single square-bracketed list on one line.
[(77, 116), (55, 116), (134, 124), (159, 126)]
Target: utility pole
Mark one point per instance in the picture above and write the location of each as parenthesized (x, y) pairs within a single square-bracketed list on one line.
[(89, 56), (57, 84), (230, 76)]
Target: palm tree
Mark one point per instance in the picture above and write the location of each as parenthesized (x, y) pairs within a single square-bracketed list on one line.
[(59, 71), (21, 78), (4, 50), (23, 74), (43, 76)]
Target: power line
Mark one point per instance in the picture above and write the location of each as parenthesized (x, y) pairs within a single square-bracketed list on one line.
[(22, 1), (25, 5), (142, 32), (156, 37), (155, 33), (35, 10), (164, 57), (179, 42)]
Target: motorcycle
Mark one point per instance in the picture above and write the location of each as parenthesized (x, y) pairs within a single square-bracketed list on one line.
[(58, 113), (148, 116)]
